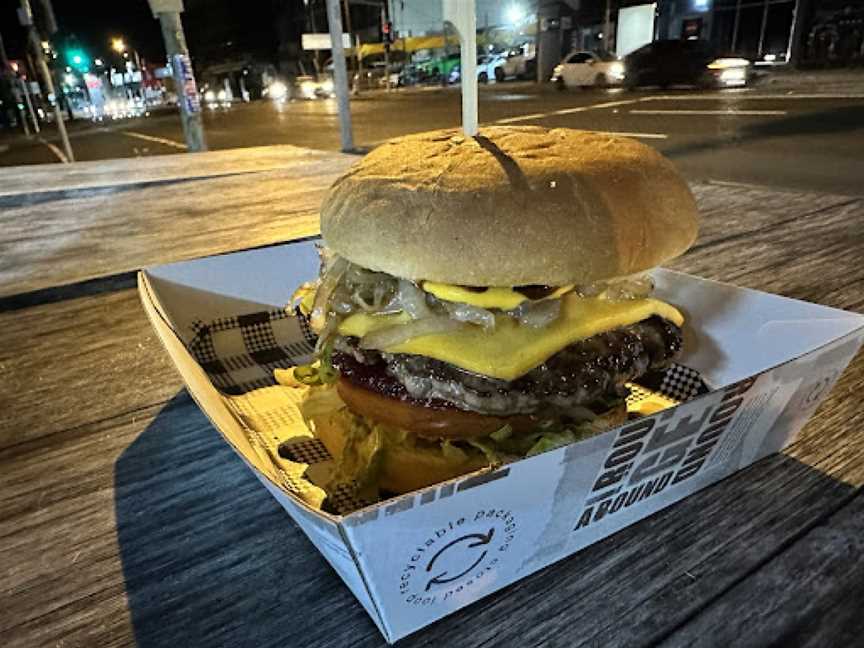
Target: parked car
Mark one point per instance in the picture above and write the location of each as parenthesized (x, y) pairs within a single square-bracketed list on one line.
[(435, 68), (582, 69), (521, 63), (683, 62), (486, 66)]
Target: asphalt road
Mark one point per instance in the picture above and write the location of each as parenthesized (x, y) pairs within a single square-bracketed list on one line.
[(804, 140)]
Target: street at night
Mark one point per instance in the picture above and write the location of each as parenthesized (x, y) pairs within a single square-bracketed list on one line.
[(353, 323), (809, 138)]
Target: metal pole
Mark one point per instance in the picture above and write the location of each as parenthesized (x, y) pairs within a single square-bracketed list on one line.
[(187, 92), (340, 74), (26, 89), (735, 26), (759, 51), (386, 9), (355, 81), (47, 80), (22, 116), (607, 29)]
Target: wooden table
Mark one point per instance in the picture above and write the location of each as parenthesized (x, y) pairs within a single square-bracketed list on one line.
[(124, 518)]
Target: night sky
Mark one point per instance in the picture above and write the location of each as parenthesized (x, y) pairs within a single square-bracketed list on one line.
[(93, 23)]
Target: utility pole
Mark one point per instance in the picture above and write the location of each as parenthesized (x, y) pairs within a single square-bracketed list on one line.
[(340, 74), (168, 12), (385, 8), (25, 89), (25, 16), (355, 85), (607, 29)]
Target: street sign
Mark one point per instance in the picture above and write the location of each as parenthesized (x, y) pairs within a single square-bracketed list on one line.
[(322, 41), (186, 83)]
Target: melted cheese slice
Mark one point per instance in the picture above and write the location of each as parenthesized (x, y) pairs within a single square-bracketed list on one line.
[(512, 350), (503, 298)]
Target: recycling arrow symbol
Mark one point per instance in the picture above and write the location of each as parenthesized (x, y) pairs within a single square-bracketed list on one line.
[(477, 540)]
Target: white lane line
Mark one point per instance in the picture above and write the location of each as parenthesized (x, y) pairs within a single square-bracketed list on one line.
[(606, 104), (725, 113), (746, 97), (634, 135), (513, 120), (566, 111), (158, 140), (56, 151)]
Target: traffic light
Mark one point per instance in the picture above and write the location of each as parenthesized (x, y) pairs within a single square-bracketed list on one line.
[(78, 59)]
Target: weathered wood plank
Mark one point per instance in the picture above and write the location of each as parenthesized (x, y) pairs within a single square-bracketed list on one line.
[(24, 180), (105, 232), (148, 529), (807, 595), (76, 362)]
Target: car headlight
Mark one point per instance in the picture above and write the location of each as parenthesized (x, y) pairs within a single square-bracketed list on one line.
[(307, 88), (726, 63), (733, 75), (617, 70), (277, 90), (209, 96), (327, 86), (222, 95)]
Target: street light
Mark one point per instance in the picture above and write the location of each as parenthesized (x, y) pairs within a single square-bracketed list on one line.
[(515, 14), (118, 45)]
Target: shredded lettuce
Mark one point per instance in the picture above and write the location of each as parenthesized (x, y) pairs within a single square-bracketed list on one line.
[(488, 450), (360, 463), (502, 433), (550, 441), (453, 452)]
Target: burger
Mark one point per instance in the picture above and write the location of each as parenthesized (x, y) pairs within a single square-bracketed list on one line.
[(486, 298)]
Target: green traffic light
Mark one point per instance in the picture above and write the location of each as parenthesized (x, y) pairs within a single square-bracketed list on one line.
[(78, 59)]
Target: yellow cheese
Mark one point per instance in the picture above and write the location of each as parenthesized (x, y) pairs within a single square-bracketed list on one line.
[(512, 350), (503, 298)]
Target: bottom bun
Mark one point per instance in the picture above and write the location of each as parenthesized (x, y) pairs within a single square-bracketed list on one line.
[(405, 468)]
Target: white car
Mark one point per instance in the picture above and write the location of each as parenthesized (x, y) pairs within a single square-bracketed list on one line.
[(583, 69), (486, 66), (520, 63)]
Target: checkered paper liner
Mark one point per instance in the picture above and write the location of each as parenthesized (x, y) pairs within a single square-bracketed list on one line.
[(239, 354)]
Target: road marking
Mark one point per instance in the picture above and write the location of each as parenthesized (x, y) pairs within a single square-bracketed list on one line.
[(725, 113), (56, 151), (606, 104), (566, 111), (746, 97), (512, 120), (158, 140), (634, 135)]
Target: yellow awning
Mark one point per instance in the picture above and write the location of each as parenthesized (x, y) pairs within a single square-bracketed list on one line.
[(411, 44)]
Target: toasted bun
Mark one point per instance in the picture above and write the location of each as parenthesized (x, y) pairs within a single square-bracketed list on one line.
[(405, 469), (510, 206)]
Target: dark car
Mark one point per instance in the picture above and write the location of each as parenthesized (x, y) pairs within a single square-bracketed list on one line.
[(682, 62)]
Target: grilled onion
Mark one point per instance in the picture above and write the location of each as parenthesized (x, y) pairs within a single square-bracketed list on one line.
[(394, 335)]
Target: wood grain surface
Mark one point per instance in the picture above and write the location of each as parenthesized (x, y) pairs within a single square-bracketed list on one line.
[(55, 238), (125, 519), (30, 180)]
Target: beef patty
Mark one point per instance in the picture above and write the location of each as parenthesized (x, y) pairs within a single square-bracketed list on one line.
[(587, 374)]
